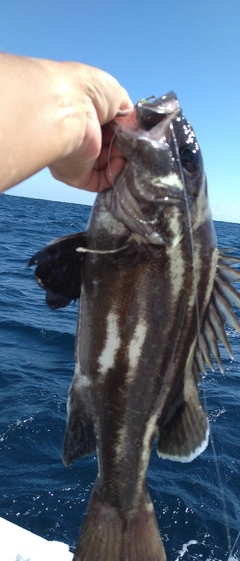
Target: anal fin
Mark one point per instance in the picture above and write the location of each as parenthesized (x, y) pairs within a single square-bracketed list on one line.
[(186, 434)]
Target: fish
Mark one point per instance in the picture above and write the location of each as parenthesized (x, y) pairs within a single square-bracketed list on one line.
[(155, 295)]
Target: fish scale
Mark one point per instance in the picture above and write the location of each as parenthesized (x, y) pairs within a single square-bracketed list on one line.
[(154, 295)]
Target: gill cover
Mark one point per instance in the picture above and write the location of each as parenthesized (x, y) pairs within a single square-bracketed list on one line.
[(164, 167)]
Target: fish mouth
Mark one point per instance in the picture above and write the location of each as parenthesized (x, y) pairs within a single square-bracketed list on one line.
[(165, 108), (146, 116), (160, 108)]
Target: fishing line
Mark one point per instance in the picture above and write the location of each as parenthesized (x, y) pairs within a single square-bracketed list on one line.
[(109, 153), (229, 545), (101, 251), (233, 547), (190, 231), (121, 113)]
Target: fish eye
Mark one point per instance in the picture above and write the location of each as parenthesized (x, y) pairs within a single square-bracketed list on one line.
[(190, 159)]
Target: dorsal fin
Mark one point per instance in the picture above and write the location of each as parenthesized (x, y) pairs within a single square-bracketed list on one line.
[(224, 297), (59, 269), (186, 434)]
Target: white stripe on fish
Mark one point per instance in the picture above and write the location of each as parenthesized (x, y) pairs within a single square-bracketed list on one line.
[(136, 345), (112, 344), (170, 180)]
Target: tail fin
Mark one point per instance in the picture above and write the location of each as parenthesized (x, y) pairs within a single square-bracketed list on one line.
[(111, 535)]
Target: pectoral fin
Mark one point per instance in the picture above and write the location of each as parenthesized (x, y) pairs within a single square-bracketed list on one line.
[(79, 437), (59, 269), (186, 435)]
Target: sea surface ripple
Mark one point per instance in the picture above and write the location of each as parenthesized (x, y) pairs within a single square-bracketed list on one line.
[(37, 360)]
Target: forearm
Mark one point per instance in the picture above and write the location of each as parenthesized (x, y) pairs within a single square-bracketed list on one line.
[(41, 120)]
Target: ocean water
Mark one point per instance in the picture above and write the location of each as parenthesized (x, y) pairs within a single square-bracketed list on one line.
[(36, 366)]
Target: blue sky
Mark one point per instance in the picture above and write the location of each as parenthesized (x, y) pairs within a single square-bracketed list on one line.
[(151, 47)]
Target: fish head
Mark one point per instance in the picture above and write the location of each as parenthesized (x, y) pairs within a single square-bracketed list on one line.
[(163, 179)]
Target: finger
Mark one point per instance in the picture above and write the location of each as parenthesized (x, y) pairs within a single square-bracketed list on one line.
[(108, 152), (107, 134), (100, 180), (113, 169), (126, 102)]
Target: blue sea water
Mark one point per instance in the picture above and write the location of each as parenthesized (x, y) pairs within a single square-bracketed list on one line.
[(36, 366)]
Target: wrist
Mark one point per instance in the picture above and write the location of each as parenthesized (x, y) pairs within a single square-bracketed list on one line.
[(41, 120)]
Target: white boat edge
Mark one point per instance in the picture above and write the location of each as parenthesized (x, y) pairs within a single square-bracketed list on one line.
[(18, 544)]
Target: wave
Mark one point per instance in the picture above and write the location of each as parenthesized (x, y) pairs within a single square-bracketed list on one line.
[(36, 368)]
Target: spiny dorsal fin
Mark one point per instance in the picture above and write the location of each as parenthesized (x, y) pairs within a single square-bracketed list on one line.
[(59, 269), (186, 435), (224, 297)]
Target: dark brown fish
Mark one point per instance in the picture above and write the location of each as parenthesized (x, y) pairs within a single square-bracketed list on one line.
[(155, 293)]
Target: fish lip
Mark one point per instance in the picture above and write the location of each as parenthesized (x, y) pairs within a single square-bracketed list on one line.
[(124, 112), (132, 126), (170, 107)]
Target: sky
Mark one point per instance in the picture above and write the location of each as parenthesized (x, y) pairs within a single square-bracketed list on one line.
[(151, 47)]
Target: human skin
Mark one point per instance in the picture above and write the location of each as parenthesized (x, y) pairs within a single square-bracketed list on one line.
[(56, 114)]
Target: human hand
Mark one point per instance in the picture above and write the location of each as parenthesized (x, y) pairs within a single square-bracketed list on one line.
[(55, 114), (94, 161)]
